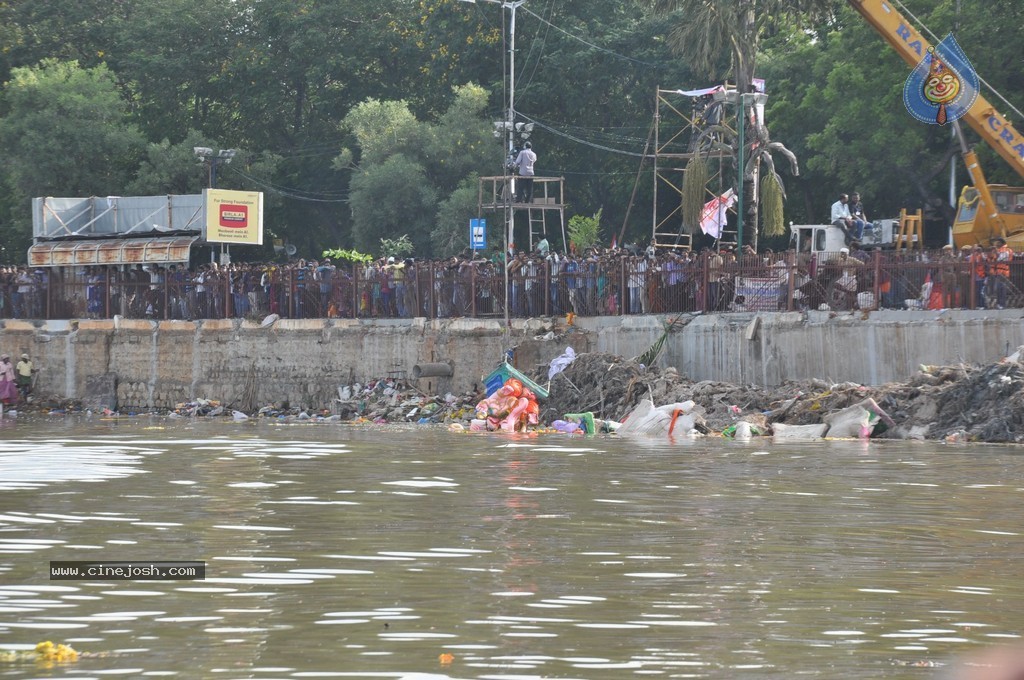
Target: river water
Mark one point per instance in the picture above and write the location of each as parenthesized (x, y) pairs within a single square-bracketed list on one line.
[(337, 551)]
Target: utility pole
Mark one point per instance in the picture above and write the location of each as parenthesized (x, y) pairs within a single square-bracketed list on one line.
[(508, 126)]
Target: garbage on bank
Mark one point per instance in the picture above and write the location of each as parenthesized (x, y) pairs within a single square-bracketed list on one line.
[(593, 393)]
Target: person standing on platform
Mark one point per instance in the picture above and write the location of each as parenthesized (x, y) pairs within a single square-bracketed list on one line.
[(524, 164)]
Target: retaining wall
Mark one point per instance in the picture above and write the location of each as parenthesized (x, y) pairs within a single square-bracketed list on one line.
[(140, 364)]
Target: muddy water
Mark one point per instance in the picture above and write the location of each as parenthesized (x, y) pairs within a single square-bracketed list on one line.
[(341, 551)]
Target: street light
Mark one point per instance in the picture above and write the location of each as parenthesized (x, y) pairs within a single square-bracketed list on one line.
[(213, 159)]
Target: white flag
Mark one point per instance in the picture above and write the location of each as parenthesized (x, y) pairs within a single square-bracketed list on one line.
[(713, 216)]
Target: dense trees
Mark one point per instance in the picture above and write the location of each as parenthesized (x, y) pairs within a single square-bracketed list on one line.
[(370, 119)]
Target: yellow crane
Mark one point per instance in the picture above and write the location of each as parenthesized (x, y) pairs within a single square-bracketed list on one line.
[(985, 210)]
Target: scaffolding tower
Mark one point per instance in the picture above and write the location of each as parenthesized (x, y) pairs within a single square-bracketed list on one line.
[(687, 123)]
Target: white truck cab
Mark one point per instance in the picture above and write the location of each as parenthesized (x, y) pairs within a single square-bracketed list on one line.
[(828, 238)]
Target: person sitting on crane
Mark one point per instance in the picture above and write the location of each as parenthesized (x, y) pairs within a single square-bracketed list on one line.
[(860, 218), (842, 218)]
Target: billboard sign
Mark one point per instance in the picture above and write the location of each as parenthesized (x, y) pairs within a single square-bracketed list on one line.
[(233, 216)]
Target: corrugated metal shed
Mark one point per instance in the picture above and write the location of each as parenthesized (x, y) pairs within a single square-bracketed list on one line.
[(111, 251)]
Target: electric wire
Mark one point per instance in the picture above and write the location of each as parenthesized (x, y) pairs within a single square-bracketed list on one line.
[(285, 191), (579, 140), (588, 44)]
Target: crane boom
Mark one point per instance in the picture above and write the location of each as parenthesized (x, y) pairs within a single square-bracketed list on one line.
[(908, 42)]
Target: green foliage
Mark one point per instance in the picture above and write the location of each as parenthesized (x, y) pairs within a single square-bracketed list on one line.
[(65, 131), (407, 166), (584, 232), (171, 168), (353, 256), (391, 198), (651, 354), (451, 235), (396, 247), (382, 129), (356, 121), (706, 32)]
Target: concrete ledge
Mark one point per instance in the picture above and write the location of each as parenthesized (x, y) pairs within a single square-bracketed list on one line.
[(300, 324), (214, 325), (143, 325), (304, 360), (383, 323), (19, 325), (57, 326), (105, 325), (528, 326), (175, 326)]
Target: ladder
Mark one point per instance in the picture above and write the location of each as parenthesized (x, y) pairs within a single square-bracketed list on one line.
[(911, 234), (538, 225)]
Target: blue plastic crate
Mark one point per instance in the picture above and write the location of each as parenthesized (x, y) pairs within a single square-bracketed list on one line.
[(503, 372)]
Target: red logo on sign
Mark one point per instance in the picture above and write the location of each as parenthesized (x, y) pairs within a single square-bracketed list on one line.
[(234, 216)]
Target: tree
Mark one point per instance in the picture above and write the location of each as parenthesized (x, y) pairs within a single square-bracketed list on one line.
[(65, 132), (584, 232), (405, 167), (725, 35), (451, 233), (390, 199)]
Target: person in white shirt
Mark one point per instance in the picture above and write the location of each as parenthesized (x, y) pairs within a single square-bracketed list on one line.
[(842, 218), (524, 163)]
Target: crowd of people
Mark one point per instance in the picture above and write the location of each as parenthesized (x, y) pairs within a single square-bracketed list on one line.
[(542, 282)]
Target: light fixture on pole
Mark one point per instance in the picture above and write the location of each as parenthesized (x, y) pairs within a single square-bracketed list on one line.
[(212, 159)]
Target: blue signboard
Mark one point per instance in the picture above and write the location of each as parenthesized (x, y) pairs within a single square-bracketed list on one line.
[(478, 234)]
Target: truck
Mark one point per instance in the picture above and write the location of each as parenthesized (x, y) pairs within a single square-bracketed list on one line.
[(828, 239), (984, 211)]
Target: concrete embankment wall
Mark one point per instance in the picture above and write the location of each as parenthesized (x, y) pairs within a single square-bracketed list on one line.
[(148, 364)]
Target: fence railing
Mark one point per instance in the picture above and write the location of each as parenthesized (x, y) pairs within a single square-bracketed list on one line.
[(585, 287)]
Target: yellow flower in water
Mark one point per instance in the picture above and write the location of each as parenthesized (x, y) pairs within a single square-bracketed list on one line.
[(48, 653)]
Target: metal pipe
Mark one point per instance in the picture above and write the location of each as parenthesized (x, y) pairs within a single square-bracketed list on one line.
[(439, 369)]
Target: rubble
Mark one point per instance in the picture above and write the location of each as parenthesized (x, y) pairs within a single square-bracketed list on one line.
[(961, 403)]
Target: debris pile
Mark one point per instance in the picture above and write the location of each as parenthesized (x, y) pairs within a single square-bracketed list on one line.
[(954, 403), (595, 392)]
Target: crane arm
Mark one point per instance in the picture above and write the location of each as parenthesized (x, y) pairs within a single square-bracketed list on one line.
[(912, 47)]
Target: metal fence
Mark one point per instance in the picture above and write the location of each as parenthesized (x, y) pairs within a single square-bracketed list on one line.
[(592, 286)]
